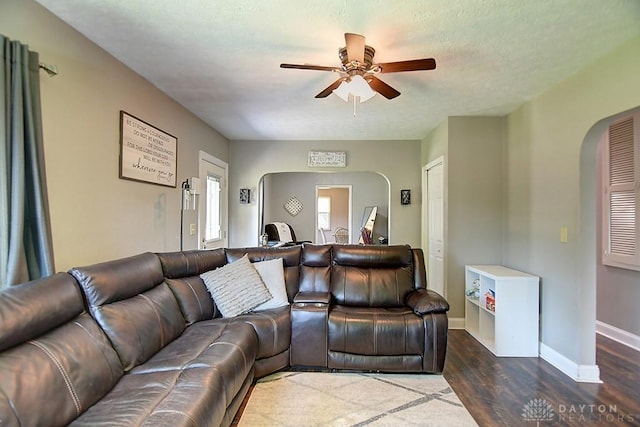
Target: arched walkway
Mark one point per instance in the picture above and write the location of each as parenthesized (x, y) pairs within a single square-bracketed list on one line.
[(588, 243)]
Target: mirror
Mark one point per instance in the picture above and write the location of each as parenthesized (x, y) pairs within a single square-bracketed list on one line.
[(368, 223), (367, 189)]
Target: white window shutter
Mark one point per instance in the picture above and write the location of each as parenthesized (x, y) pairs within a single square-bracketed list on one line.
[(621, 231)]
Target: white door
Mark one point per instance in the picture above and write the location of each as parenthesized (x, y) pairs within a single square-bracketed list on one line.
[(213, 210), (435, 225)]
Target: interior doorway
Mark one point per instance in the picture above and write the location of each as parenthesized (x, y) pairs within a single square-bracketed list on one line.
[(333, 212), (609, 291), (367, 189)]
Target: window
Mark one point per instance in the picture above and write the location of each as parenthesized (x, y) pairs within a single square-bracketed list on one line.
[(212, 221), (324, 213), (213, 206), (621, 197)]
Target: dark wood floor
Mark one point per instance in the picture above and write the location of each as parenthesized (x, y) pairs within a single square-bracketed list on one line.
[(501, 391)]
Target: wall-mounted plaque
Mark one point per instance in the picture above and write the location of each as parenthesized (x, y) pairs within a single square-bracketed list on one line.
[(147, 154), (245, 196), (405, 197), (327, 159)]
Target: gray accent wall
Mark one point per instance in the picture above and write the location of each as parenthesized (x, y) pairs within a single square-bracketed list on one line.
[(368, 188), (398, 162)]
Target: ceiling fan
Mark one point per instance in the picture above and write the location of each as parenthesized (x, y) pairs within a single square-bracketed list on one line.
[(357, 62)]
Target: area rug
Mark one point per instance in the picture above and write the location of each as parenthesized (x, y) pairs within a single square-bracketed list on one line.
[(353, 399)]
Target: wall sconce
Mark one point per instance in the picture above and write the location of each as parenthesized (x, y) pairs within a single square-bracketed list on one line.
[(190, 195), (189, 203)]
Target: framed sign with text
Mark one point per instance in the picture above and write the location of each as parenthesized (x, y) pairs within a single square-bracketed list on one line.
[(147, 154), (327, 159)]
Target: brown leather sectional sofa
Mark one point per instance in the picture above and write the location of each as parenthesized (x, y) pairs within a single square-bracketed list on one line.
[(139, 341)]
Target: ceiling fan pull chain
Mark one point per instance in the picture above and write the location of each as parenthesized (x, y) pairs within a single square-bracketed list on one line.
[(355, 102)]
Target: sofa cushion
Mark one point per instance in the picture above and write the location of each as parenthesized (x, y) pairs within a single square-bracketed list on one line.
[(191, 263), (32, 309), (273, 328), (116, 280), (193, 298), (134, 306), (56, 372), (372, 256), (315, 268), (236, 288), (375, 331), (368, 276), (290, 256), (63, 372), (199, 341), (140, 326), (175, 398), (272, 274), (192, 381)]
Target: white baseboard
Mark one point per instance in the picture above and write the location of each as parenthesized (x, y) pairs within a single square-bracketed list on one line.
[(579, 373), (456, 323), (617, 334)]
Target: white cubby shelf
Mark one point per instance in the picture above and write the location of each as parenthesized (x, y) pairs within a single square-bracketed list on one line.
[(511, 329)]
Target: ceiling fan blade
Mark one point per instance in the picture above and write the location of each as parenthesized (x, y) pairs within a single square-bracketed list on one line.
[(355, 47), (308, 67), (412, 65), (381, 87), (330, 89)]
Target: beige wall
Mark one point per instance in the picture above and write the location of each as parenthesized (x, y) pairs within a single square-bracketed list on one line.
[(95, 215), (398, 161)]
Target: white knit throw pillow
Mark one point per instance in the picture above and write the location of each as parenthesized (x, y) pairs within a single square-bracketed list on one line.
[(236, 287)]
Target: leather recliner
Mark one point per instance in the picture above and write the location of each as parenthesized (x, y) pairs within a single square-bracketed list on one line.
[(367, 308)]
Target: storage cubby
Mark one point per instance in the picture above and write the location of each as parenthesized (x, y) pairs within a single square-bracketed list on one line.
[(509, 327)]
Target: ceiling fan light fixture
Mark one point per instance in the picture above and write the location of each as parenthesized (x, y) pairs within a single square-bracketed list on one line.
[(354, 87)]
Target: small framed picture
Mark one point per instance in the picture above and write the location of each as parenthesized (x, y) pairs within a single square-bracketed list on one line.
[(405, 197), (245, 196)]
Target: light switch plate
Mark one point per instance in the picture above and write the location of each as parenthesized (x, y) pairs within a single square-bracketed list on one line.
[(564, 234)]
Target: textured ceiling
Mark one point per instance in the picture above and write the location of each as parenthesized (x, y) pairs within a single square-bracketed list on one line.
[(220, 59)]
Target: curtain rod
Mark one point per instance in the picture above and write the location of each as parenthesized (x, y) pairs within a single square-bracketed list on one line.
[(52, 70)]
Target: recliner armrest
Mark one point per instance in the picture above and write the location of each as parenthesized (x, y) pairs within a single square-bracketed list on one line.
[(312, 298), (423, 301)]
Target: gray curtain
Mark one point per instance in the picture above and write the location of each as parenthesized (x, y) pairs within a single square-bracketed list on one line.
[(25, 234)]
